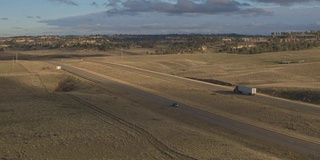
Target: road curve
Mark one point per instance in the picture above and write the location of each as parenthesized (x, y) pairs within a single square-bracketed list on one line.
[(296, 144)]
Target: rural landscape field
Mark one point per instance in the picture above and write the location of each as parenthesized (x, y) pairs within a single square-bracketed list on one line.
[(160, 80), (117, 105)]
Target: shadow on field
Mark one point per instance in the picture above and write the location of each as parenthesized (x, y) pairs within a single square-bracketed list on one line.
[(213, 81), (304, 95), (225, 92), (58, 56), (10, 56), (10, 85), (6, 56), (230, 93)]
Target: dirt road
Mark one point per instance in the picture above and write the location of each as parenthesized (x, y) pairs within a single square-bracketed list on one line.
[(243, 128)]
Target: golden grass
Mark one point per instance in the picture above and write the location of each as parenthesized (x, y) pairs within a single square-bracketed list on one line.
[(38, 124), (64, 124), (302, 124), (261, 70)]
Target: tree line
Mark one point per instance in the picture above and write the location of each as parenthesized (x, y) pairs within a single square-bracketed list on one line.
[(272, 47), (174, 43)]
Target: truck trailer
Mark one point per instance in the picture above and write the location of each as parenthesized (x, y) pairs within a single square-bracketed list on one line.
[(245, 90)]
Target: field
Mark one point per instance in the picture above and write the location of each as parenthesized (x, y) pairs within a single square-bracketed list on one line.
[(41, 121), (264, 71)]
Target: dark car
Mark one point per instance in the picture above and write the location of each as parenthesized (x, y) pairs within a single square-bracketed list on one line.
[(175, 105)]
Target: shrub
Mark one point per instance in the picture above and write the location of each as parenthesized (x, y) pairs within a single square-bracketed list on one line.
[(67, 84)]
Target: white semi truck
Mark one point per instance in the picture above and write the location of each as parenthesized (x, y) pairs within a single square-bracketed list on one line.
[(245, 90)]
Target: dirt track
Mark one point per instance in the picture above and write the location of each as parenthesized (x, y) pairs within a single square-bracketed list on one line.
[(165, 150)]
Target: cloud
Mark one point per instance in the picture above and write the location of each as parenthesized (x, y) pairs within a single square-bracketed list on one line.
[(112, 3), (69, 2), (163, 21), (285, 2), (16, 28), (151, 23), (256, 11), (162, 26), (95, 4), (33, 17), (186, 7), (4, 19)]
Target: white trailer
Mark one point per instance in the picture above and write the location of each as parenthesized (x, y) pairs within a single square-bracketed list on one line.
[(245, 90)]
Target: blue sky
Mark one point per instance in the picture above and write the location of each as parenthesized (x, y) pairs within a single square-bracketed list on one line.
[(86, 17)]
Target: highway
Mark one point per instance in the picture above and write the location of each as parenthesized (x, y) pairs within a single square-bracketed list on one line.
[(240, 127), (260, 98)]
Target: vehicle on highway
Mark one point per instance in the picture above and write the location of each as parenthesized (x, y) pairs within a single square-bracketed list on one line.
[(175, 105), (245, 90)]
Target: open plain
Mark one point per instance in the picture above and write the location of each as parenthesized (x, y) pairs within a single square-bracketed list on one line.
[(96, 119)]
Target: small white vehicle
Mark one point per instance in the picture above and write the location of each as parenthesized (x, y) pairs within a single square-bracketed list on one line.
[(245, 90)]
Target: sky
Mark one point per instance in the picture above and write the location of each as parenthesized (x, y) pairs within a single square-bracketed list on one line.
[(89, 17)]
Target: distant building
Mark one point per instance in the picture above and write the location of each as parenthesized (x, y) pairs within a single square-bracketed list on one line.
[(226, 39)]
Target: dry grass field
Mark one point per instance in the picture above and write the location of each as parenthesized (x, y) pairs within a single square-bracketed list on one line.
[(263, 71), (95, 122)]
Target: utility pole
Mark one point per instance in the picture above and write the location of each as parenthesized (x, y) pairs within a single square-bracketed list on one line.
[(6, 70), (13, 63), (121, 53)]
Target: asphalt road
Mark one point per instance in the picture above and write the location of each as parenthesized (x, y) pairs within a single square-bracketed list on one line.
[(240, 127)]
